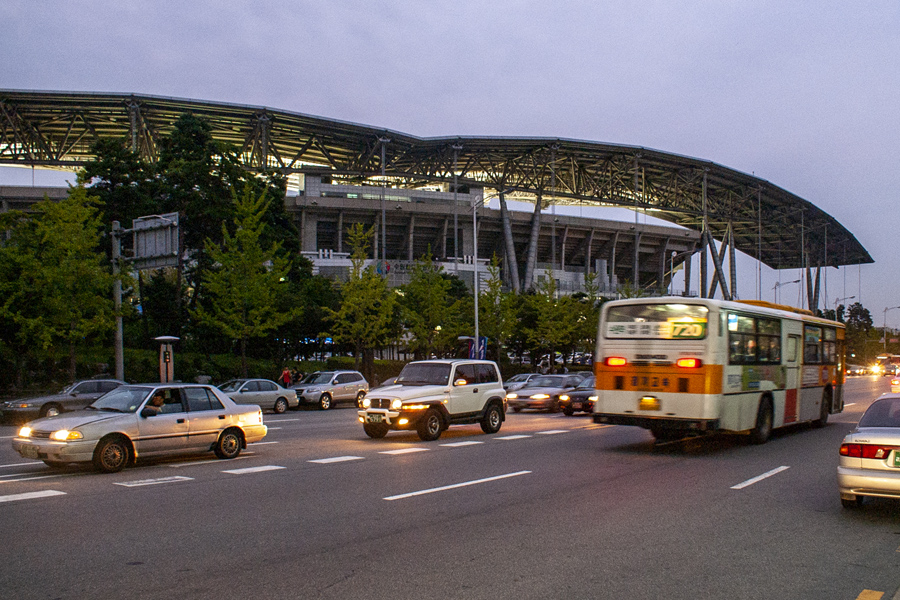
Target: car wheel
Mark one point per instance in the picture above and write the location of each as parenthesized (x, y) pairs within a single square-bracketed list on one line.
[(111, 455), (430, 426), (50, 410), (517, 409), (568, 412), (824, 410), (324, 402), (359, 399), (281, 406), (493, 419), (850, 504), (375, 431), (229, 444), (763, 429)]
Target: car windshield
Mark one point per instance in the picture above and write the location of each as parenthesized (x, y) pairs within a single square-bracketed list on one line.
[(882, 413), (587, 383), (232, 386), (547, 381), (318, 378), (518, 378), (125, 398), (424, 374)]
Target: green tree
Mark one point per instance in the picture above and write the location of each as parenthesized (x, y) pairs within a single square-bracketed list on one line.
[(244, 286), (555, 320), (428, 311), (57, 288), (366, 319), (496, 311)]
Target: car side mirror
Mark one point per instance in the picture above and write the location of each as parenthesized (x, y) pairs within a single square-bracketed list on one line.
[(148, 412), (242, 390), (460, 382)]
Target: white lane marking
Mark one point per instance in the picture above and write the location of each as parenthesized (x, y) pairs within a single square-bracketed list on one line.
[(513, 437), (335, 459), (552, 432), (456, 485), (206, 462), (281, 420), (850, 404), (31, 495), (749, 482), (273, 428), (33, 478), (262, 443), (254, 470), (156, 481), (404, 451), (28, 464), (461, 444)]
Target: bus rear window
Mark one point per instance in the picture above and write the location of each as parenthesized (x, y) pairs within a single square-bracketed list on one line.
[(657, 321)]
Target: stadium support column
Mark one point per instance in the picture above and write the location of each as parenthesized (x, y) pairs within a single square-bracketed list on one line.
[(636, 276), (531, 261), (512, 265), (687, 273), (704, 274), (732, 264)]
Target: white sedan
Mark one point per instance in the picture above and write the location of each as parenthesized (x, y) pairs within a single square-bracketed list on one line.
[(123, 425), (869, 463)]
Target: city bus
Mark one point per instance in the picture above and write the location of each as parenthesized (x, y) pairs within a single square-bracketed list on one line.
[(682, 366)]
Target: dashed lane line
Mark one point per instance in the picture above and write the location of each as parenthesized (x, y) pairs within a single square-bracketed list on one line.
[(513, 437), (759, 478), (404, 451), (31, 495), (552, 432), (456, 485), (254, 470), (461, 444), (157, 481), (335, 459)]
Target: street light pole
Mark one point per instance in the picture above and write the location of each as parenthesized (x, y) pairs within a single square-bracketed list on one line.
[(780, 284), (837, 302), (884, 328), (383, 141)]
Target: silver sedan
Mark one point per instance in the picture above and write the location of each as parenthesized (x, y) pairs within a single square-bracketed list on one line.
[(262, 392), (143, 420), (869, 463)]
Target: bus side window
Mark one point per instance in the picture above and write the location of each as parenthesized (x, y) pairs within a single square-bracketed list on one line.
[(792, 348)]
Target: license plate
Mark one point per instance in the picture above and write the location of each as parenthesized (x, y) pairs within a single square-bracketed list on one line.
[(373, 418), (29, 451), (576, 405), (897, 458), (649, 403)]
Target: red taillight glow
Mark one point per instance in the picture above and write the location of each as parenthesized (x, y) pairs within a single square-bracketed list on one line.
[(866, 451), (688, 363), (615, 361)]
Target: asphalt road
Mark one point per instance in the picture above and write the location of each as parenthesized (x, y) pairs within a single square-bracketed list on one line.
[(550, 507)]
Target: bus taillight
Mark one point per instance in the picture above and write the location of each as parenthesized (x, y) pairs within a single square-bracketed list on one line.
[(615, 361), (689, 363)]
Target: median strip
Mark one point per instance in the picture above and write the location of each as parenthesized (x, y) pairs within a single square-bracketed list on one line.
[(456, 485)]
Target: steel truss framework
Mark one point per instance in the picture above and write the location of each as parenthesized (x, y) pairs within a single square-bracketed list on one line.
[(57, 130)]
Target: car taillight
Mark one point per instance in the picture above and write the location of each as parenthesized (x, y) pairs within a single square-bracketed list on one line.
[(689, 363), (615, 361), (866, 450)]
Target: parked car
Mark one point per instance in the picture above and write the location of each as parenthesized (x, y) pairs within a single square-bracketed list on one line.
[(518, 381), (78, 395), (542, 393), (123, 425), (581, 398), (327, 388), (431, 395), (869, 463), (262, 392)]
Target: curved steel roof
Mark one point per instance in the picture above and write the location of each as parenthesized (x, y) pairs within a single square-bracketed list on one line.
[(57, 129)]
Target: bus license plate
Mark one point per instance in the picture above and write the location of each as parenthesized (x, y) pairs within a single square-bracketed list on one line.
[(373, 419), (649, 403)]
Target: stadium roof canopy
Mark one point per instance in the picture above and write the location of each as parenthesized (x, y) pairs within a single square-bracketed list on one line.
[(57, 129)]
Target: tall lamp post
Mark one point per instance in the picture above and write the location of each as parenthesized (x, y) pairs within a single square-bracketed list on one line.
[(837, 301), (476, 203), (781, 284), (884, 328)]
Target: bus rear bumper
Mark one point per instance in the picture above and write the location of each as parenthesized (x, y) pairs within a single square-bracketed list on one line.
[(658, 423)]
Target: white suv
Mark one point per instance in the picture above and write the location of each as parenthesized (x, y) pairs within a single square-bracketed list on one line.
[(431, 395)]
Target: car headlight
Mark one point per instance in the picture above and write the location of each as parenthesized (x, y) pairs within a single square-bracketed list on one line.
[(64, 435), (396, 404), (592, 398), (366, 403), (512, 396), (540, 396), (25, 432), (564, 397)]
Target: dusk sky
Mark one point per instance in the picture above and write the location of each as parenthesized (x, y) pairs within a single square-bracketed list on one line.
[(804, 95)]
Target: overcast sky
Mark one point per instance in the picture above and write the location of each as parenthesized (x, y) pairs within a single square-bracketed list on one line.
[(804, 95)]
